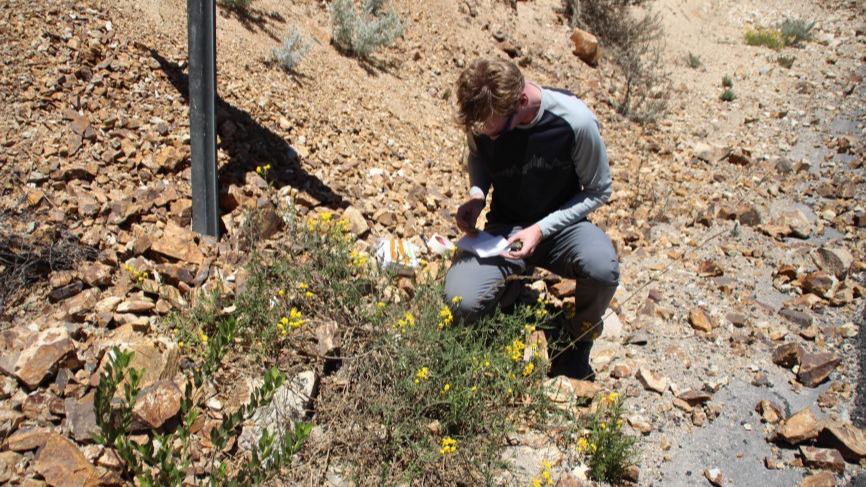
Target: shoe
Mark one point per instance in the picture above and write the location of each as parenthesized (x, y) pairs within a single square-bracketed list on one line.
[(573, 362)]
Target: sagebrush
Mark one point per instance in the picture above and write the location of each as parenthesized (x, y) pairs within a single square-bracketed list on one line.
[(360, 33), (289, 54), (634, 47)]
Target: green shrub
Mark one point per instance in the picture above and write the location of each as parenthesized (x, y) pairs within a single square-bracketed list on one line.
[(362, 33), (290, 53), (610, 451), (765, 36), (786, 61), (795, 31), (236, 5), (728, 95), (694, 61), (727, 82)]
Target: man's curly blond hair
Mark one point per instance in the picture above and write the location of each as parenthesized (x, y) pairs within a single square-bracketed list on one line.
[(485, 88)]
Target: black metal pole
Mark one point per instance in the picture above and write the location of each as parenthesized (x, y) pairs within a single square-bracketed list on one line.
[(201, 29)]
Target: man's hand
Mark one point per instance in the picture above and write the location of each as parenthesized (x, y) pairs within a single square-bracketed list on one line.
[(467, 214), (523, 243)]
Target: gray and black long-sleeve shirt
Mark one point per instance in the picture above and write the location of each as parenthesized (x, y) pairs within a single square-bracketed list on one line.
[(553, 171)]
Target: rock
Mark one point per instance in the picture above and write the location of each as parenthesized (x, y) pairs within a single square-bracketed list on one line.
[(821, 479), (36, 355), (10, 420), (612, 329), (357, 223), (81, 305), (29, 438), (565, 392), (178, 243), (639, 423), (709, 268), (585, 47), (820, 283), (8, 462), (523, 461), (652, 380), (158, 356), (695, 398), (700, 321), (816, 367), (96, 274), (770, 412), (709, 152), (823, 458), (795, 316), (155, 405), (849, 440), (715, 476), (800, 427), (797, 221), (291, 403), (61, 463), (328, 340), (836, 261), (81, 418), (787, 355)]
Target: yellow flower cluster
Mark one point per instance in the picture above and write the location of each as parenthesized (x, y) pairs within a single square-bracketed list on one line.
[(202, 336), (294, 320), (407, 321), (445, 389), (449, 446), (584, 446), (136, 275), (544, 478), (357, 259), (515, 349), (307, 293), (457, 300), (527, 371), (447, 317), (422, 374), (263, 170)]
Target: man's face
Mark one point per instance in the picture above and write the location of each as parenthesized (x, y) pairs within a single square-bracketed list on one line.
[(498, 125)]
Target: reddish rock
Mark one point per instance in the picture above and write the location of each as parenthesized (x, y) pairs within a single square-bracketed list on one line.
[(155, 405), (585, 47), (700, 321), (816, 367), (823, 458), (787, 355), (34, 356), (61, 463), (800, 427), (820, 479), (849, 440)]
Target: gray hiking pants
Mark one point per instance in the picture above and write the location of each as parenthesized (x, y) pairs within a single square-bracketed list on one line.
[(580, 251)]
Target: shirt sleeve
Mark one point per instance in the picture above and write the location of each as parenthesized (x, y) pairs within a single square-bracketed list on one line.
[(479, 177), (593, 171)]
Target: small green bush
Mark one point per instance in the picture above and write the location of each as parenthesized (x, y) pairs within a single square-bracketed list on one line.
[(728, 95), (236, 5), (694, 61), (362, 33), (765, 36), (727, 82), (293, 49), (785, 61), (795, 31), (609, 449)]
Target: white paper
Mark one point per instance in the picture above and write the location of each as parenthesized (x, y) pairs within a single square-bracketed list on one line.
[(483, 244)]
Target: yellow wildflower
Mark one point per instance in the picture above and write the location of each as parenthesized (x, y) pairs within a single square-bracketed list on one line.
[(422, 374), (449, 446), (456, 299), (515, 349), (582, 445), (528, 369), (326, 217), (445, 389)]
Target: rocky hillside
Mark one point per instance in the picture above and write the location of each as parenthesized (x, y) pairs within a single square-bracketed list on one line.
[(737, 333)]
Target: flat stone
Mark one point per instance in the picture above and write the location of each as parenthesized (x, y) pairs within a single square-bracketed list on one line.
[(795, 316), (787, 355), (96, 274), (799, 427), (37, 355), (585, 47), (10, 420), (26, 439), (155, 405), (815, 368), (820, 283), (328, 341), (835, 260), (159, 356), (820, 479), (61, 463), (79, 306), (845, 437), (823, 458), (700, 320), (178, 243), (8, 462), (797, 221), (652, 380), (291, 403), (695, 398), (771, 413), (81, 418)]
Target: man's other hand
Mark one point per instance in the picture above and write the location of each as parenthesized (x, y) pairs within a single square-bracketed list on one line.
[(467, 215)]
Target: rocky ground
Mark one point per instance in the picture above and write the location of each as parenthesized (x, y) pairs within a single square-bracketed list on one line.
[(740, 225)]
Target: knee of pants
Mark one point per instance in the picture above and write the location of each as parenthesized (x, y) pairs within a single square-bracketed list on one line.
[(602, 272)]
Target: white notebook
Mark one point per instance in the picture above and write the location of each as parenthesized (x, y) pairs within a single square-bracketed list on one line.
[(482, 244)]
